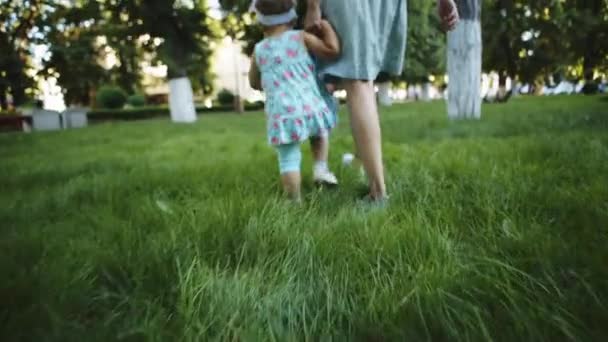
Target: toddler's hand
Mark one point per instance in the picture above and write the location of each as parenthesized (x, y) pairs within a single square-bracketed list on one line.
[(321, 29)]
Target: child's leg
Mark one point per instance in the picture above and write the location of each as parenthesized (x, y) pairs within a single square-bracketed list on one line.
[(290, 159), (319, 147), (320, 153)]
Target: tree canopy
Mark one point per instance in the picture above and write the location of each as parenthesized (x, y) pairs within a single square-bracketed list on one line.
[(91, 43)]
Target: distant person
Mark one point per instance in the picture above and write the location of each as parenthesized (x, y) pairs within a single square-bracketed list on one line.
[(297, 107)]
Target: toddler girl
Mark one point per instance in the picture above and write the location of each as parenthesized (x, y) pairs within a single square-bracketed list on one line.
[(297, 109)]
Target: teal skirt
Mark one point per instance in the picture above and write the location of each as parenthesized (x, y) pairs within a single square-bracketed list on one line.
[(373, 36)]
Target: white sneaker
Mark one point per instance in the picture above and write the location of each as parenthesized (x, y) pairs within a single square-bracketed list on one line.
[(325, 177)]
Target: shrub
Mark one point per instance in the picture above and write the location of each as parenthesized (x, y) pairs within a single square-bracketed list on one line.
[(225, 97), (590, 88), (111, 97), (254, 106), (136, 100)]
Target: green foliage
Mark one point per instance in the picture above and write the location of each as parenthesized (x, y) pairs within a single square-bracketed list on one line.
[(111, 97), (531, 40), (76, 51), (17, 21), (185, 34), (136, 100), (170, 32), (225, 97), (180, 233), (425, 54)]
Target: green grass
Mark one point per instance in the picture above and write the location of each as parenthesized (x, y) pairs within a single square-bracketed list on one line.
[(496, 230)]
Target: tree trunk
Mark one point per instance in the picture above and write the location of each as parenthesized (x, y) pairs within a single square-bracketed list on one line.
[(181, 101), (425, 94), (384, 97), (464, 63), (3, 99)]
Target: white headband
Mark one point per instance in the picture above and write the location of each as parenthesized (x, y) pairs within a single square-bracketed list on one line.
[(276, 19)]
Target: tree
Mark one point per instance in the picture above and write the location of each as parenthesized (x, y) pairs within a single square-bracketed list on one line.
[(503, 25), (184, 33), (18, 18), (76, 50), (588, 22), (530, 41), (464, 63), (425, 54)]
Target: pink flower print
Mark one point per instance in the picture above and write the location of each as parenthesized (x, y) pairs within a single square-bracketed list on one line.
[(307, 108), (285, 121), (275, 125), (309, 117), (263, 61), (299, 122), (283, 94), (275, 140), (291, 109), (296, 37), (288, 75), (277, 83), (311, 67), (266, 46), (291, 53), (278, 60), (295, 136), (276, 116)]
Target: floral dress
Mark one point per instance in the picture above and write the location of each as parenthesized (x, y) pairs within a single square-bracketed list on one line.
[(297, 107)]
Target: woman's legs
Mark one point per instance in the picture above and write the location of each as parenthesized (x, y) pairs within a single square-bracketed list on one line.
[(290, 159), (365, 124)]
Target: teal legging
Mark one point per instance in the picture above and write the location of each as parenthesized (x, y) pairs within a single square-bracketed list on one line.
[(290, 157)]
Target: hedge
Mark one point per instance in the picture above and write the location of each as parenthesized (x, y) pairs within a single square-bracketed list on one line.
[(142, 113)]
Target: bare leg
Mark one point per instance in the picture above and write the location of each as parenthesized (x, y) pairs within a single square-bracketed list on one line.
[(319, 147), (365, 125), (291, 184)]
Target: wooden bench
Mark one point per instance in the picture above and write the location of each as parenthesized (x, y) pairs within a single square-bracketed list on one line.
[(13, 123)]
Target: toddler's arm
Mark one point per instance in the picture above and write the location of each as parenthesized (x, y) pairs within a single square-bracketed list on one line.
[(254, 75), (327, 45)]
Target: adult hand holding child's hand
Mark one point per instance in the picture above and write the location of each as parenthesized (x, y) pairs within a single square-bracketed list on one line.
[(312, 21)]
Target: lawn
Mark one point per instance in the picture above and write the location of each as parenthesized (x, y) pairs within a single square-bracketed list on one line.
[(152, 231)]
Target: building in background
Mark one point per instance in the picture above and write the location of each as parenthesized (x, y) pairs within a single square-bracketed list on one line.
[(231, 68)]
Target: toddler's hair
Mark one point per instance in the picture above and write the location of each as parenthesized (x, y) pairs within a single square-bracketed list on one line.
[(272, 7)]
